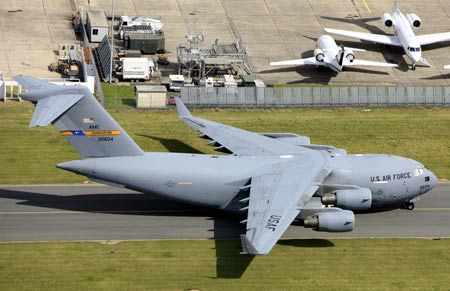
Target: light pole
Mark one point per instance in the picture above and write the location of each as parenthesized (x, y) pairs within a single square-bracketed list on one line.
[(112, 44)]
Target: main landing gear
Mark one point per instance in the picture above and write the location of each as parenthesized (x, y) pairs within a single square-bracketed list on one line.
[(409, 205)]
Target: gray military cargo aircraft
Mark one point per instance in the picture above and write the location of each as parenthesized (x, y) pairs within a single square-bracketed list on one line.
[(271, 178)]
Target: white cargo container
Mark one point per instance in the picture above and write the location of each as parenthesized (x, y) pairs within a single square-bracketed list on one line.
[(136, 68)]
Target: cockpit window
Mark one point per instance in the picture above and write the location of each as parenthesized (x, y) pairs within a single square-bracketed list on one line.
[(414, 49), (419, 171)]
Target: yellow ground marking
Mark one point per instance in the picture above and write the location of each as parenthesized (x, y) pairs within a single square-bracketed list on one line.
[(367, 6), (266, 7)]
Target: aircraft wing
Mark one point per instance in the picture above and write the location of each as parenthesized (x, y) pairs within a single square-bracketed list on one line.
[(308, 61), (433, 38), (238, 141), (33, 83), (276, 199), (370, 63), (378, 38)]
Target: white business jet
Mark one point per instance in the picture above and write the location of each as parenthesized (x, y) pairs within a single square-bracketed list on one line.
[(330, 55), (404, 34)]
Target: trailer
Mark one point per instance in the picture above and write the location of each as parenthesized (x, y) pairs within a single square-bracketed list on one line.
[(146, 43), (137, 69)]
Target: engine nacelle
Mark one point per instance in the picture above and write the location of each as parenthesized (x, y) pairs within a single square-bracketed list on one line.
[(414, 20), (352, 199), (340, 221), (349, 55), (387, 19), (319, 55)]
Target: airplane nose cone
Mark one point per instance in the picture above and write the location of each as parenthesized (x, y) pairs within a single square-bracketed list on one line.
[(433, 179), (416, 57)]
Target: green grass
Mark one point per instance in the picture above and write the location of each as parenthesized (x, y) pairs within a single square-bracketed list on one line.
[(118, 96), (29, 155), (336, 264)]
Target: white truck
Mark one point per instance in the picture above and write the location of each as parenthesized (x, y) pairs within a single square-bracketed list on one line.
[(127, 21), (136, 69), (176, 82)]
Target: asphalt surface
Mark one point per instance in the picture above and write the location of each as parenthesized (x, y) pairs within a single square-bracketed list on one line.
[(270, 31), (86, 212)]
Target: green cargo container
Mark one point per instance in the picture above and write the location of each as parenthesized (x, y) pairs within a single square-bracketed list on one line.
[(146, 43)]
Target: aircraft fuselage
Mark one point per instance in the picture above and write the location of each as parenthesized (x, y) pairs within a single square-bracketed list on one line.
[(214, 180), (406, 36)]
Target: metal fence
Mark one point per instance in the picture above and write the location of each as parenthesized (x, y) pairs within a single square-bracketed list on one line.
[(316, 96)]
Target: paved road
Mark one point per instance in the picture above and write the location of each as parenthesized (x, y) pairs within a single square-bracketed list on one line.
[(58, 213)]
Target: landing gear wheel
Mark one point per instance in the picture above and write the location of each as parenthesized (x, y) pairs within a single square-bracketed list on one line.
[(413, 67), (409, 205)]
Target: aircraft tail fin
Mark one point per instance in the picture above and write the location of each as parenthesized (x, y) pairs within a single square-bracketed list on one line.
[(395, 4), (77, 115)]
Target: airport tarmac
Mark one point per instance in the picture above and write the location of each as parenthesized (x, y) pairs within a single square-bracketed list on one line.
[(270, 30), (94, 212)]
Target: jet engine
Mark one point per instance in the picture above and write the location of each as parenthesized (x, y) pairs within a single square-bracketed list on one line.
[(319, 55), (387, 20), (414, 20), (352, 199), (350, 55), (340, 221)]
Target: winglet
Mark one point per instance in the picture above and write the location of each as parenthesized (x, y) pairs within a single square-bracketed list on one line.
[(182, 110), (248, 248)]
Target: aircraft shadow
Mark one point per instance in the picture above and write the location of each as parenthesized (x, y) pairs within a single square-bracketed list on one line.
[(173, 145), (438, 77), (306, 243), (225, 233)]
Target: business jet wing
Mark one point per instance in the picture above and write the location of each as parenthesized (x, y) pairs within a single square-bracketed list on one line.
[(378, 38), (358, 62), (307, 61), (433, 38), (276, 199)]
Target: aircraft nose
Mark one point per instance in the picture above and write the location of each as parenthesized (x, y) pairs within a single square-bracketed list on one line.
[(433, 179), (416, 57)]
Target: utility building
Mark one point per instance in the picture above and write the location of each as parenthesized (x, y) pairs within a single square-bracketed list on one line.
[(96, 25), (151, 96)]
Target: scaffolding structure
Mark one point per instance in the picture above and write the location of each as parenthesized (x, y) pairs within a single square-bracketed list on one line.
[(199, 62)]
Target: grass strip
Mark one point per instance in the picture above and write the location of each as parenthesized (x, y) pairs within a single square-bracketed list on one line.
[(29, 155), (307, 264)]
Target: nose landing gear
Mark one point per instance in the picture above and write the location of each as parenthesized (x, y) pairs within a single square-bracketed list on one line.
[(409, 205)]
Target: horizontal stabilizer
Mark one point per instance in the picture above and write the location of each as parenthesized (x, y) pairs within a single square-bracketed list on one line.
[(308, 61), (50, 108), (33, 83)]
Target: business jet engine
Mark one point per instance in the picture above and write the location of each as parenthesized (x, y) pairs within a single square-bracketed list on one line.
[(387, 19), (319, 55), (414, 20), (349, 55)]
